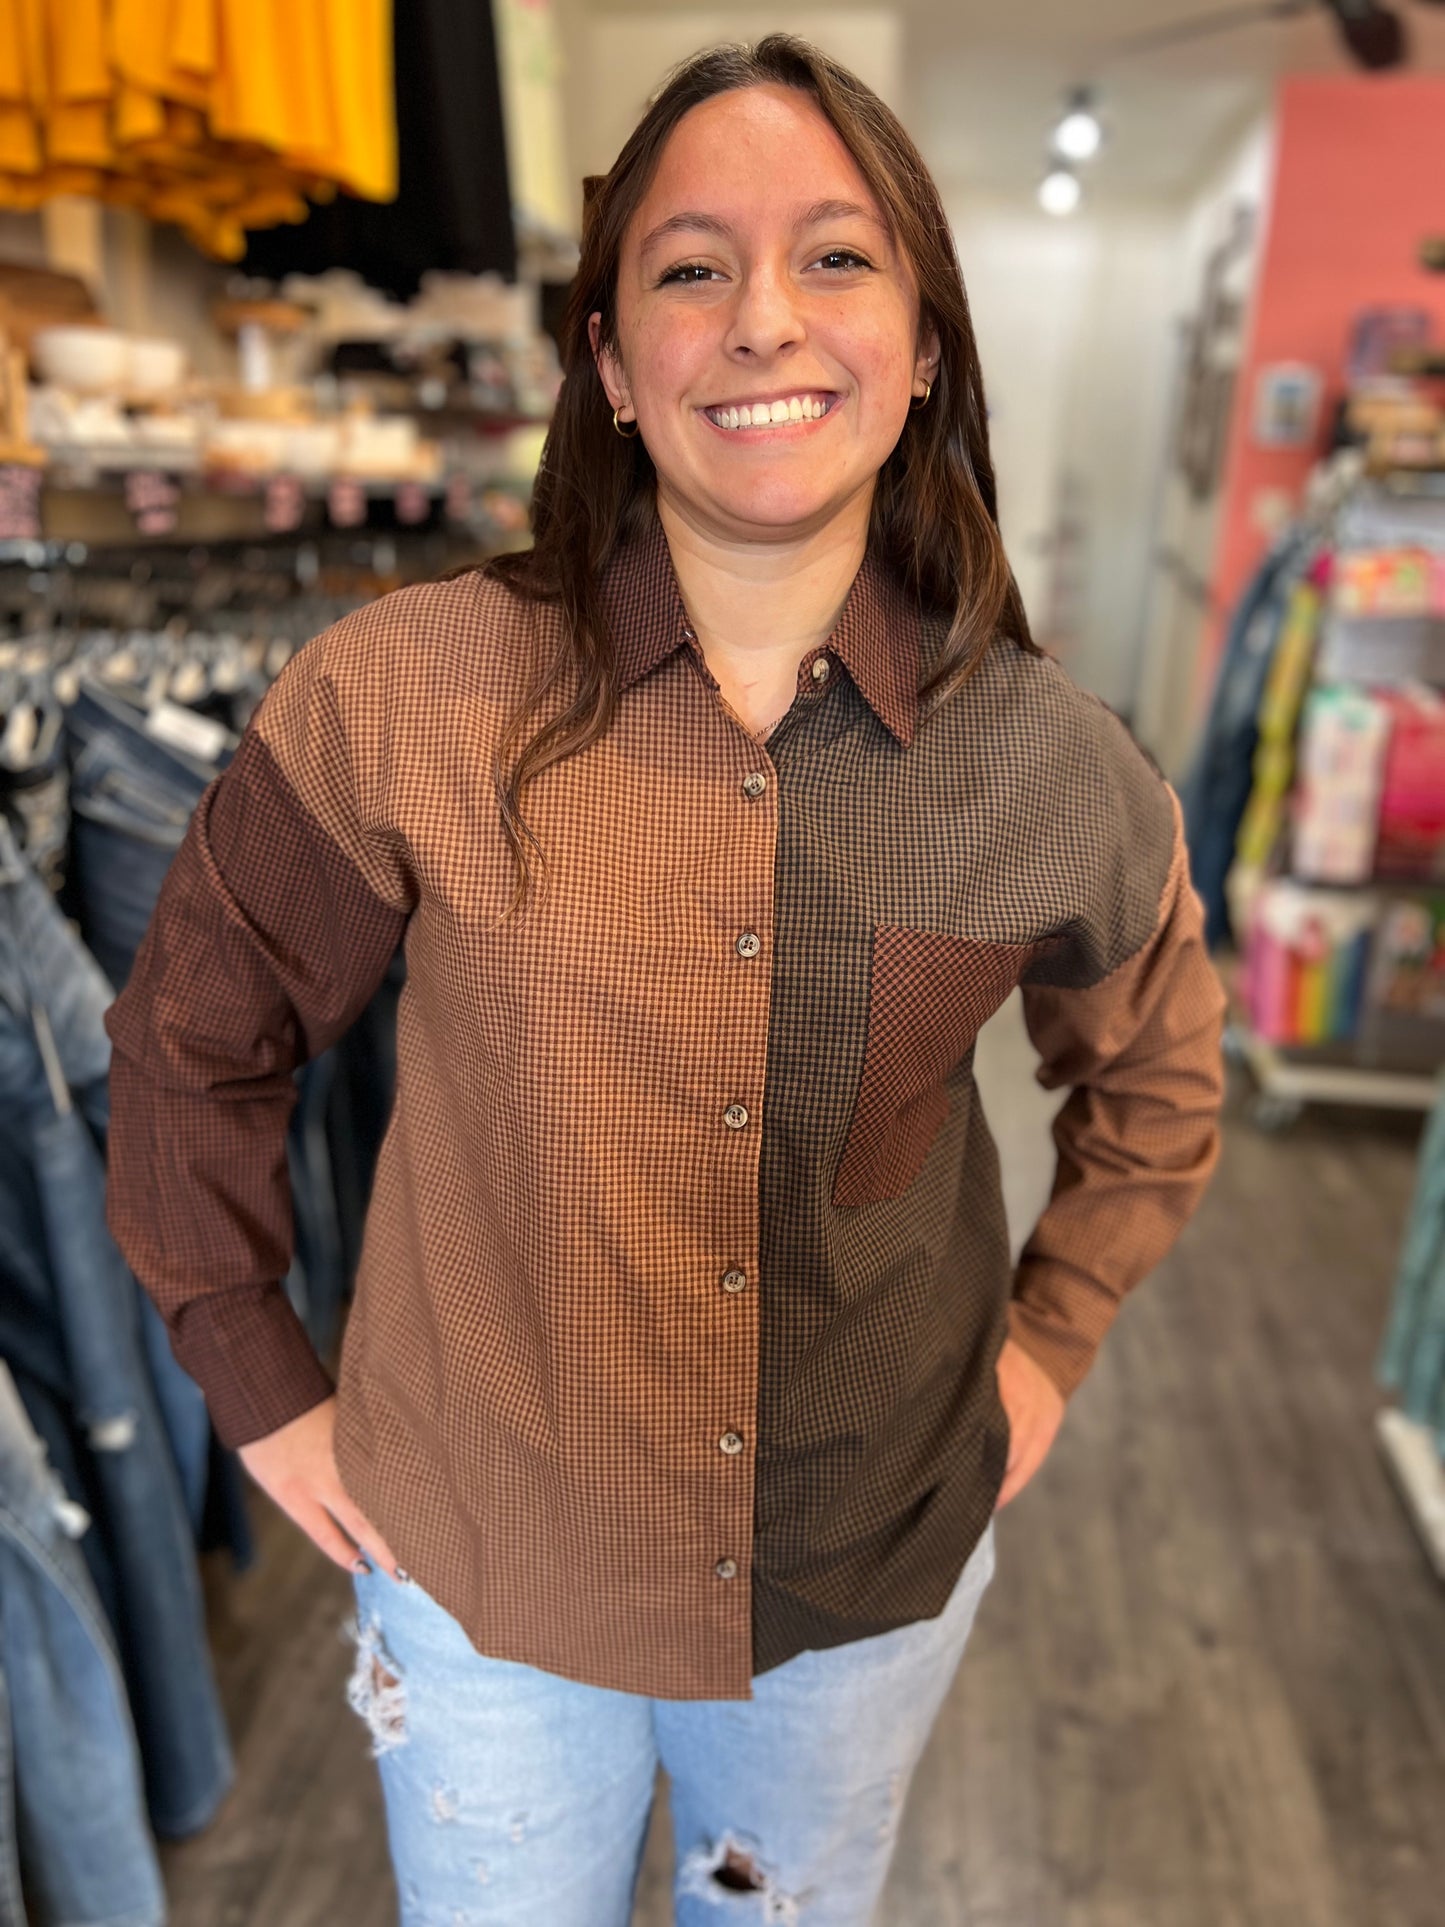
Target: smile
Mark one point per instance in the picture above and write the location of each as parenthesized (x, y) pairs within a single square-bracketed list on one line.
[(806, 406)]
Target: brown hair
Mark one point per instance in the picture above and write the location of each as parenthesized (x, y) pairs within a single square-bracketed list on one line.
[(933, 517)]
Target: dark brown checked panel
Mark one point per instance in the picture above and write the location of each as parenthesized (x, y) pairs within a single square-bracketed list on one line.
[(686, 1269)]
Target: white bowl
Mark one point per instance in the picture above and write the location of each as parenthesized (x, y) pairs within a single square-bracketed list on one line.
[(88, 359), (154, 364)]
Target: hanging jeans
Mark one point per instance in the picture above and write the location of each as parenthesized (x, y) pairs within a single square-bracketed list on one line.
[(75, 1849), (131, 800), (70, 1326)]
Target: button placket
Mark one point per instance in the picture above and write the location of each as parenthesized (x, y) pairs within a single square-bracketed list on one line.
[(745, 1001)]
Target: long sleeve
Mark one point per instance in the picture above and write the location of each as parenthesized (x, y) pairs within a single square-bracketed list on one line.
[(274, 927), (1138, 1136)]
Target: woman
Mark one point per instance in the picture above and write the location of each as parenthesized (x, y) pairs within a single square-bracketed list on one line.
[(686, 1370)]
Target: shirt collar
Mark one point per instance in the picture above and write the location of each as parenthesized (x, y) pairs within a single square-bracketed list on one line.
[(878, 636)]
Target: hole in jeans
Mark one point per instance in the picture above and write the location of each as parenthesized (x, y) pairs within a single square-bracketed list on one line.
[(375, 1691)]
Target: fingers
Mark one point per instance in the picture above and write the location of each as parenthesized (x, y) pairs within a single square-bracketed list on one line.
[(319, 1526), (353, 1520)]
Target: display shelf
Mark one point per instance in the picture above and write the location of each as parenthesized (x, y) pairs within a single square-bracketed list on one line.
[(1392, 1059), (1414, 1462), (1286, 1081)]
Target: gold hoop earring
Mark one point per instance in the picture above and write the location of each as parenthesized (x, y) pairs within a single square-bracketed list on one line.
[(627, 435), (915, 402)]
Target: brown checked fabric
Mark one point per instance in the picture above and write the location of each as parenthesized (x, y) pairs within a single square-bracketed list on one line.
[(686, 1268)]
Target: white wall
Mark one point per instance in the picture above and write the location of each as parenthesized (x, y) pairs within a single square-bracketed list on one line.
[(615, 62), (1072, 332), (1167, 704)]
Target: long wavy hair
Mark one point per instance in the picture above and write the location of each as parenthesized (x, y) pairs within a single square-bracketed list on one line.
[(934, 515)]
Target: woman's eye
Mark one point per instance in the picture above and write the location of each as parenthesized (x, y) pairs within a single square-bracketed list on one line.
[(684, 272), (845, 255)]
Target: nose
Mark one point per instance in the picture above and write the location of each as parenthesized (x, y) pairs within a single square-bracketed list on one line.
[(767, 316)]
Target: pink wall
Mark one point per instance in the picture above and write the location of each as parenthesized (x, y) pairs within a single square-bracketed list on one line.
[(1359, 181)]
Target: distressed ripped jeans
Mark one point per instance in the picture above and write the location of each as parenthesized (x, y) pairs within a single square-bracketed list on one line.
[(516, 1798)]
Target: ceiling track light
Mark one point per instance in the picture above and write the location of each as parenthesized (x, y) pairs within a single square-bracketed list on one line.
[(1078, 135), (1059, 191)]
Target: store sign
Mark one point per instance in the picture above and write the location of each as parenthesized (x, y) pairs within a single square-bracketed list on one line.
[(1287, 405), (19, 502)]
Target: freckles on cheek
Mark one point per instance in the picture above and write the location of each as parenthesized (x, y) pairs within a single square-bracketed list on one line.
[(672, 356)]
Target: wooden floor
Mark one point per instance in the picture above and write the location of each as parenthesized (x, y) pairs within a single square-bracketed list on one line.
[(1207, 1687)]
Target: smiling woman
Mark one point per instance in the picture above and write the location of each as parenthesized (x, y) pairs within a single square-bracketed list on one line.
[(687, 1368), (769, 233)]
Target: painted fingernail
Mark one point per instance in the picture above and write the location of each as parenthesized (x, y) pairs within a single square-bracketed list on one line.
[(361, 1565), (404, 1577)]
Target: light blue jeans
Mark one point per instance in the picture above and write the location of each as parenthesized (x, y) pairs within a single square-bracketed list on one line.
[(516, 1798)]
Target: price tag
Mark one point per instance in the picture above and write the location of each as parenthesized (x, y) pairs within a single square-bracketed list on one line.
[(199, 736), (413, 504), (346, 503), (19, 502), (459, 498), (285, 504), (153, 499)]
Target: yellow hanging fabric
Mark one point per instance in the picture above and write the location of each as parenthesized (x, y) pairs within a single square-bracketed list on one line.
[(218, 115)]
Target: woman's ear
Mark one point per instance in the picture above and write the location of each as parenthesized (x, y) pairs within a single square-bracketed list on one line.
[(929, 356), (608, 367)]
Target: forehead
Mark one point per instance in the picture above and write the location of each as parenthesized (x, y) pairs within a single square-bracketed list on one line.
[(751, 153)]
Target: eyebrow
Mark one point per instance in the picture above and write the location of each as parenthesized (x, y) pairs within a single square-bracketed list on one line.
[(695, 222)]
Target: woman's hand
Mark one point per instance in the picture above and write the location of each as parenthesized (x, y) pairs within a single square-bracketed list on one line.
[(296, 1466), (1035, 1408)]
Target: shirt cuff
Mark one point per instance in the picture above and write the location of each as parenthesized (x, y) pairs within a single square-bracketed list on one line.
[(251, 1357), (1063, 1347)]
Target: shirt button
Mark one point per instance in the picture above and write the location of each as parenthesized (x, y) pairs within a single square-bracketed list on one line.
[(726, 1568), (731, 1444), (749, 944), (822, 669), (755, 784), (735, 1280), (735, 1116)]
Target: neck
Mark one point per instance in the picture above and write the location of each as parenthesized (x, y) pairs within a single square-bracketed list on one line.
[(775, 599)]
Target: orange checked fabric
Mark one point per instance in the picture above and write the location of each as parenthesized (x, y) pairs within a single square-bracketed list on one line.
[(686, 1268)]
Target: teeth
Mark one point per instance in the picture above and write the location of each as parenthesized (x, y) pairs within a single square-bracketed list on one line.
[(798, 408)]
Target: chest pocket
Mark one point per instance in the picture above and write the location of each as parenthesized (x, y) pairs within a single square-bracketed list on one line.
[(929, 995)]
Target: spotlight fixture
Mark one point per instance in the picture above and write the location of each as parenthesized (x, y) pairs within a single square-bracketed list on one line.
[(1374, 35), (1078, 135), (1059, 191)]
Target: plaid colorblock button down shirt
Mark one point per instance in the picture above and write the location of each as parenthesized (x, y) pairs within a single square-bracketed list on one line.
[(686, 1269)]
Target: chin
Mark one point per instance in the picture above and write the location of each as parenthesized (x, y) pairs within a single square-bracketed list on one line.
[(776, 508)]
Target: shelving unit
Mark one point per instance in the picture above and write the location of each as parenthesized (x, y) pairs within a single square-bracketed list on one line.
[(1372, 1068)]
